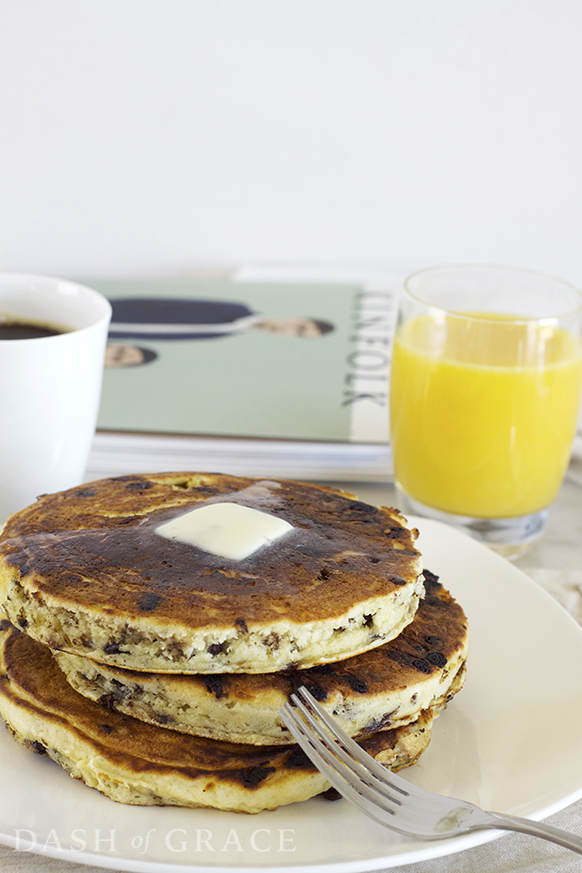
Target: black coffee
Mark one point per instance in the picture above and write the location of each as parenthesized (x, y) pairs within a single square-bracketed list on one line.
[(15, 330)]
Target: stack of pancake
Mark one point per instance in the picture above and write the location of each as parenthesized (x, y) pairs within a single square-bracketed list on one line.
[(155, 625)]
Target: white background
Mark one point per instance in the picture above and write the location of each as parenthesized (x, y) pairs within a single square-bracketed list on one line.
[(158, 137)]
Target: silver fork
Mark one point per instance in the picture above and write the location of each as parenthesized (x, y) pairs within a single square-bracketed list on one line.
[(389, 799)]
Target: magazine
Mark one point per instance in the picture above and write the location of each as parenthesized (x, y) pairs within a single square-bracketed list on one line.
[(248, 376)]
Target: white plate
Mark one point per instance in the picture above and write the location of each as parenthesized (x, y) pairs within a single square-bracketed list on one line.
[(507, 742)]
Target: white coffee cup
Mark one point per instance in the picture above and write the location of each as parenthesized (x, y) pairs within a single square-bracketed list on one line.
[(50, 387)]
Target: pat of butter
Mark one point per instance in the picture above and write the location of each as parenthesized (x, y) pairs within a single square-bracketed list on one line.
[(227, 530)]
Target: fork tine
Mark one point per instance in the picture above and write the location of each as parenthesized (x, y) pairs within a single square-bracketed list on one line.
[(351, 769), (327, 764), (387, 777), (384, 776), (365, 761)]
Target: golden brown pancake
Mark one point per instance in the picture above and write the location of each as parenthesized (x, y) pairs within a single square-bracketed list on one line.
[(385, 687), (83, 571), (136, 763)]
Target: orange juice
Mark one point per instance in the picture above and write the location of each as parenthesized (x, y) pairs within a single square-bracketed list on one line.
[(483, 412)]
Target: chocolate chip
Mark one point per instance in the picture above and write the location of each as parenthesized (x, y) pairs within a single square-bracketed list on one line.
[(380, 723), (432, 640), (23, 623), (422, 664), (396, 579), (298, 760), (437, 659), (215, 648), (176, 649), (331, 794), (323, 669), (139, 486), (39, 748), (255, 775), (316, 690), (113, 649), (149, 601), (106, 728), (241, 623), (86, 493), (356, 684), (108, 701), (214, 686)]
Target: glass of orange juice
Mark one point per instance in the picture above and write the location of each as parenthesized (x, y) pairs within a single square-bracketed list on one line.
[(484, 397)]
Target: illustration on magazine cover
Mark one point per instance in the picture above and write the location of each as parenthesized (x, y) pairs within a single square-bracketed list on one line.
[(256, 381), (166, 318)]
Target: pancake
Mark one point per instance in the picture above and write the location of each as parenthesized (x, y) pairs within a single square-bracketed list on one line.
[(385, 687), (135, 763), (84, 571)]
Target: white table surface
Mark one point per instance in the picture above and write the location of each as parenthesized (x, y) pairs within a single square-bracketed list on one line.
[(556, 563)]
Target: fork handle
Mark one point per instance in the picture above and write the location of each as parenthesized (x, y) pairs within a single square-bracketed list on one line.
[(537, 829)]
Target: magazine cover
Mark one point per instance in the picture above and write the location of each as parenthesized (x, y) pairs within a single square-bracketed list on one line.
[(208, 357)]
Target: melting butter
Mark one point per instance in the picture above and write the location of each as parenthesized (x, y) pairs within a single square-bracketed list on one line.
[(227, 530)]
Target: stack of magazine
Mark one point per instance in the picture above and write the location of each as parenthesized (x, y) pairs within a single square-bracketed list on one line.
[(269, 374)]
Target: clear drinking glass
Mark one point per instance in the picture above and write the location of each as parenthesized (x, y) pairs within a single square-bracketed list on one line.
[(485, 391)]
